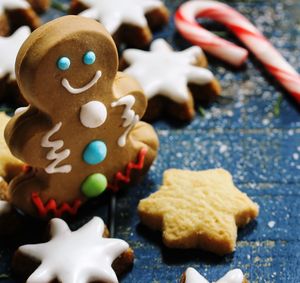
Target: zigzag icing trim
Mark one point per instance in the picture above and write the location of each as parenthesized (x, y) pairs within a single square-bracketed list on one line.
[(51, 206), (126, 178)]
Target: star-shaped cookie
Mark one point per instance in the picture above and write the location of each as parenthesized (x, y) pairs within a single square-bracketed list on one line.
[(128, 21), (9, 47), (171, 80), (198, 210), (191, 275), (15, 13), (10, 166), (81, 256)]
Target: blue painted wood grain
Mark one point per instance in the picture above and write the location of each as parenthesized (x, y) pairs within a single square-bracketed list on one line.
[(261, 150)]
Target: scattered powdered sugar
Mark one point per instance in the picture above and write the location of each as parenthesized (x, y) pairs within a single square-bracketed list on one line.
[(295, 156), (223, 148), (271, 224)]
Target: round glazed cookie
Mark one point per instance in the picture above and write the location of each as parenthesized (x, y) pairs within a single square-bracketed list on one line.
[(128, 21), (81, 133)]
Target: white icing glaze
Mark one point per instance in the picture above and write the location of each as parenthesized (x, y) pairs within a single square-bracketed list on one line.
[(166, 72), (21, 110), (233, 276), (13, 4), (53, 155), (93, 114), (129, 116), (193, 276), (113, 13), (81, 256), (9, 47), (65, 83), (5, 207)]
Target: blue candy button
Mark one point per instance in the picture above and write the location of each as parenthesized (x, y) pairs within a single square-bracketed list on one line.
[(95, 152), (89, 58), (63, 63)]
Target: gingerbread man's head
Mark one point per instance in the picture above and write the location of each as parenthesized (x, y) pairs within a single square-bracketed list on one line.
[(68, 60)]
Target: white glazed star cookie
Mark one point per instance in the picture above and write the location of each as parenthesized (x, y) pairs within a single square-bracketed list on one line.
[(81, 256), (9, 47), (14, 14), (17, 18), (129, 21), (169, 75), (191, 275)]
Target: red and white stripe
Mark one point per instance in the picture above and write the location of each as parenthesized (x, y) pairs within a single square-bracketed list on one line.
[(185, 21)]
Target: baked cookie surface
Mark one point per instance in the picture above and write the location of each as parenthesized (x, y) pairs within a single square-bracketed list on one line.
[(198, 210), (128, 21), (95, 141), (83, 255), (173, 81), (10, 166)]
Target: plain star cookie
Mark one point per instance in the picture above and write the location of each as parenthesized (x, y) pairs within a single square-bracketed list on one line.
[(191, 275), (198, 210), (81, 256), (81, 134), (128, 21), (10, 166), (171, 80)]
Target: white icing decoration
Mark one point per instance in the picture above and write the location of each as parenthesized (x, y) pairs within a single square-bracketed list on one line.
[(5, 207), (65, 83), (128, 115), (81, 256), (21, 110), (9, 47), (164, 71), (193, 276), (113, 13), (233, 276), (13, 4), (93, 114), (53, 155)]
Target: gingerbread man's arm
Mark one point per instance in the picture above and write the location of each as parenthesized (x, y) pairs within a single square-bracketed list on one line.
[(23, 135), (125, 85)]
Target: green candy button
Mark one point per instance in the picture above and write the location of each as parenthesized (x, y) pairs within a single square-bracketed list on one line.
[(94, 185)]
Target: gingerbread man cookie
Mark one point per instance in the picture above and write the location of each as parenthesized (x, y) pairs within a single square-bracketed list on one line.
[(128, 21), (171, 80), (81, 133)]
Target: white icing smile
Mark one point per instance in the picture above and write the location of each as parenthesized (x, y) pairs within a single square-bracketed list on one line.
[(65, 83)]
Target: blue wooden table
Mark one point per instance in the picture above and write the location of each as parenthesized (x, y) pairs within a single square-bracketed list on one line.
[(258, 145)]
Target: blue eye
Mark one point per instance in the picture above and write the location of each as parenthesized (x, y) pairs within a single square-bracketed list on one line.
[(89, 58), (63, 63)]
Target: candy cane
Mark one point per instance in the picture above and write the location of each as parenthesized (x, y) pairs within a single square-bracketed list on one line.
[(185, 20)]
